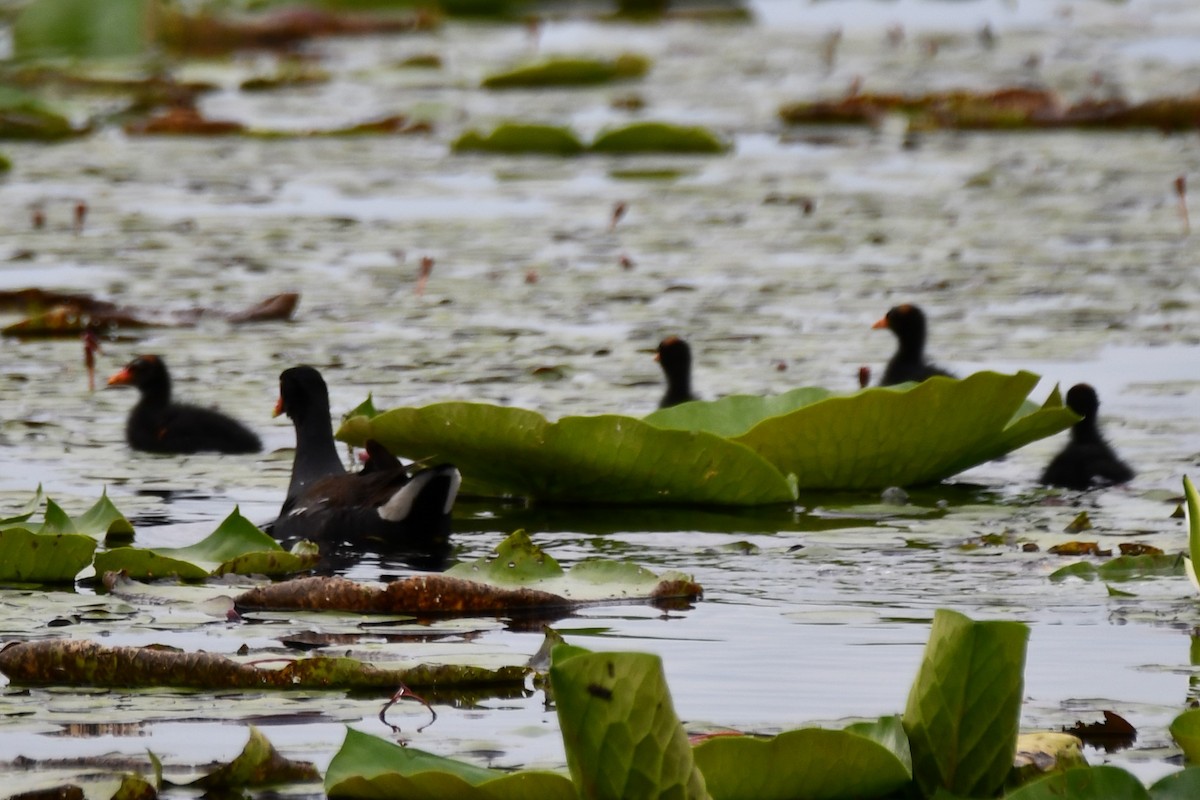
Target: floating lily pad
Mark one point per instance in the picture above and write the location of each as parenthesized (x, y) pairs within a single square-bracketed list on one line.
[(83, 28), (909, 435), (28, 557), (1191, 513), (812, 763), (659, 137), (604, 459), (1123, 568), (1084, 783), (236, 546), (521, 139), (23, 116), (570, 72), (703, 452), (367, 767)]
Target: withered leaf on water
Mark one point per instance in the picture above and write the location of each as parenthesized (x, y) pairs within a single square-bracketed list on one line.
[(1079, 549), (259, 764), (53, 314), (424, 595), (57, 662), (1114, 733)]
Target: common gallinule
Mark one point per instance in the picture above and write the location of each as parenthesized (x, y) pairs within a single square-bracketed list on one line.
[(675, 357), (908, 364), (157, 425), (380, 504), (1087, 459)]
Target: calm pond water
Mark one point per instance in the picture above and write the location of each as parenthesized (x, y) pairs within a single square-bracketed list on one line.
[(1062, 253)]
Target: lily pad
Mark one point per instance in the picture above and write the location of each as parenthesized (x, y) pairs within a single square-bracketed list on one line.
[(570, 72), (1186, 730), (623, 739), (28, 557), (812, 763), (700, 452), (370, 768), (1123, 568), (603, 459), (236, 546), (659, 137), (83, 28), (964, 707), (905, 436), (23, 116), (521, 139), (1084, 783)]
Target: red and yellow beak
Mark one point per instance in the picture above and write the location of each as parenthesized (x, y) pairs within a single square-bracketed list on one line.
[(122, 377), (882, 323), (278, 407)]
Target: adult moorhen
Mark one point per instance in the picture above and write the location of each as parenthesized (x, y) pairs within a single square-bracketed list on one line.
[(380, 504), (1087, 459), (675, 357), (908, 364), (157, 425)]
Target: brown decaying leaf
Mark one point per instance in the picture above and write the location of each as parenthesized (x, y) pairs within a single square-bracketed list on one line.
[(1114, 733), (1079, 549), (427, 595), (68, 792), (209, 34), (183, 120), (259, 764), (62, 314), (62, 662), (1138, 549), (1006, 108)]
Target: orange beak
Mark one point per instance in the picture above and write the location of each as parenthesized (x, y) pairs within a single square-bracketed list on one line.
[(278, 408), (122, 377), (656, 356), (882, 323)]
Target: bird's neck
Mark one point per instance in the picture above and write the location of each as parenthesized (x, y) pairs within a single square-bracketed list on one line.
[(316, 453)]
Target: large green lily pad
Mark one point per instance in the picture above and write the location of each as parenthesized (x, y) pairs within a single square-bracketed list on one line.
[(892, 436), (733, 451), (370, 768), (812, 763), (604, 459), (236, 546)]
